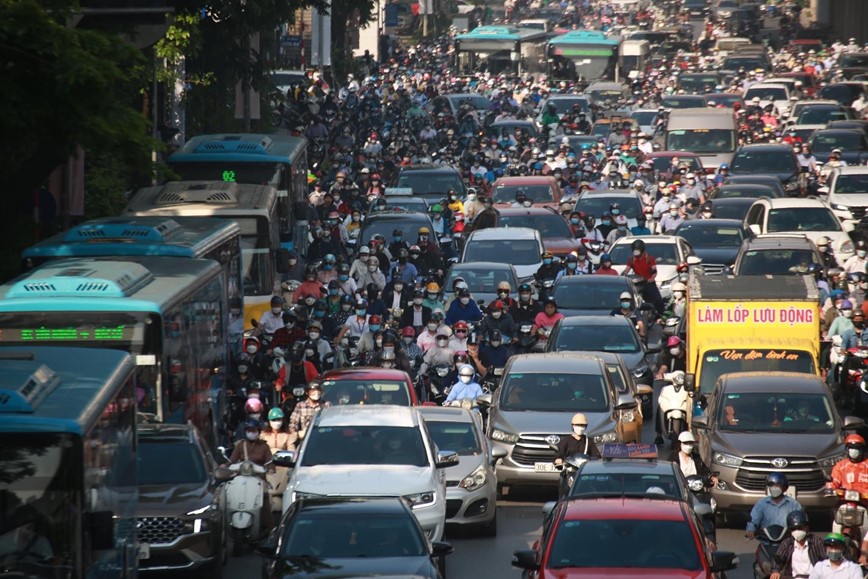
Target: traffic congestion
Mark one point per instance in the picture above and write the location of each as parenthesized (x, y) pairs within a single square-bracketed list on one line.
[(577, 291)]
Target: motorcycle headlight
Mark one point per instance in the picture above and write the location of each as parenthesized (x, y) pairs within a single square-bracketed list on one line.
[(246, 469), (419, 500), (724, 459), (201, 511), (830, 461), (668, 282), (502, 436), (696, 485), (603, 438), (474, 480)]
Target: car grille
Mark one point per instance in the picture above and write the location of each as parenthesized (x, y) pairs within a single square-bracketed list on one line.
[(159, 530), (533, 448), (713, 268), (452, 507), (802, 472)]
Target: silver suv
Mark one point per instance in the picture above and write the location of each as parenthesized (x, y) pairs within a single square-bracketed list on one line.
[(531, 411)]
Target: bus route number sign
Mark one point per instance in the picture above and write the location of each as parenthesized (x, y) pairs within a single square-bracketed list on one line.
[(229, 176)]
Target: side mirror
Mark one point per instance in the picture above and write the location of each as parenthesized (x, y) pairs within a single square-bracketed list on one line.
[(223, 452), (723, 561), (755, 229), (700, 422), (446, 458), (693, 260), (497, 453), (485, 399), (285, 458), (222, 474), (440, 549), (548, 507), (703, 510), (690, 382), (102, 530), (267, 547), (525, 560), (282, 261), (853, 423), (625, 402)]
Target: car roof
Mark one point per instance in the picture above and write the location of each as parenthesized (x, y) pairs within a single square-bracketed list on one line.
[(156, 430), (770, 147), (500, 233), (769, 84), (358, 373), (713, 222), (430, 167), (595, 321), (787, 203), (628, 465), (479, 265), (560, 96), (627, 194), (352, 506), (836, 131), (648, 239), (533, 210), (529, 180), (790, 382), (656, 154), (627, 508), (619, 280), (445, 414), (745, 185), (733, 201), (368, 415), (556, 362), (774, 241), (852, 170)]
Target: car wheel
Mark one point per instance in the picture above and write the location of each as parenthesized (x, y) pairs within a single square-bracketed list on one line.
[(489, 529), (237, 542)]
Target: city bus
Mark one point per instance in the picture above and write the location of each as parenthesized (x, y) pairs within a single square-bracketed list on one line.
[(189, 237), (169, 313), (502, 49), (68, 488), (254, 159), (583, 55), (256, 209)]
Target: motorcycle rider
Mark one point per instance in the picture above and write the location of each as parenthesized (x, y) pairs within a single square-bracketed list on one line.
[(851, 473), (643, 264), (416, 314), (494, 353), (548, 269), (497, 319), (463, 308), (605, 267), (526, 309), (458, 341), (298, 372), (800, 551), (673, 358), (688, 461), (426, 338), (571, 267), (772, 509), (835, 565), (466, 388), (272, 320), (625, 308), (433, 300), (251, 447), (577, 442), (678, 302), (503, 290), (439, 353), (323, 348), (858, 262), (302, 415), (546, 319)]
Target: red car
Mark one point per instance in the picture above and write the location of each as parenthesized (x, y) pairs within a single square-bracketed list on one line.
[(368, 386), (648, 535), (556, 234), (543, 189)]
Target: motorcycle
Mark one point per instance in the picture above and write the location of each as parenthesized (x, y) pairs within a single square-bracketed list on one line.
[(568, 470), (436, 387), (700, 487), (854, 392), (770, 539), (526, 340), (850, 514), (542, 339), (594, 249), (674, 403), (544, 288), (348, 353), (493, 376), (243, 498)]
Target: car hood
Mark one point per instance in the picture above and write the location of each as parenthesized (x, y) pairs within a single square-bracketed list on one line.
[(772, 444), (710, 255), (361, 567), (174, 498), (561, 245), (526, 271), (567, 312), (849, 199), (623, 573), (466, 465), (362, 479), (519, 422)]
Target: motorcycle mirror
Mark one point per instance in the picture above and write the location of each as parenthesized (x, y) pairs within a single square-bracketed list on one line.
[(222, 474), (690, 382), (700, 422)]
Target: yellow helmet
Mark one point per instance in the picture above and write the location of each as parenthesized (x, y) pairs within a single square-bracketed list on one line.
[(580, 419), (432, 287)]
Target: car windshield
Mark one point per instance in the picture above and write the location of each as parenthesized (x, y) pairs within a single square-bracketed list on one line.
[(431, 182), (664, 253), (698, 83), (554, 393), (731, 210), (802, 219), (478, 102), (844, 140), (588, 296), (605, 95), (169, 463), (664, 163), (479, 280), (549, 225), (857, 183), (457, 437), (725, 99), (619, 543), (698, 235), (631, 483), (338, 536), (776, 412), (776, 261), (370, 391), (606, 338), (631, 207), (365, 445), (646, 118), (853, 59), (716, 363), (518, 252), (701, 140), (820, 116), (744, 191), (539, 193), (408, 223), (767, 93), (747, 63), (683, 102), (769, 161)]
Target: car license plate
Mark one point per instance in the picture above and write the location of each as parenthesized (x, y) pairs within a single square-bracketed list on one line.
[(143, 550), (544, 467)]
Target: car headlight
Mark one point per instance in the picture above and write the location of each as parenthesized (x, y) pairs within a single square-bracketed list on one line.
[(839, 207), (419, 500), (639, 371), (298, 495), (628, 416), (791, 185), (474, 480), (502, 436), (724, 459), (603, 438), (830, 461), (847, 247), (201, 511)]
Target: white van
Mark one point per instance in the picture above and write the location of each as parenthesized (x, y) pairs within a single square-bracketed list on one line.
[(710, 133)]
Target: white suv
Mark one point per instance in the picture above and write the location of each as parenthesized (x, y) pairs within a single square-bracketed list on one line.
[(848, 193), (371, 451)]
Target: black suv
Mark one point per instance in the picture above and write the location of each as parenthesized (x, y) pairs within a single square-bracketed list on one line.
[(180, 516), (769, 159), (431, 182)]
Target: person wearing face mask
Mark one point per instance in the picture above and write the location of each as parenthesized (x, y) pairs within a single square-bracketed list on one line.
[(605, 267), (310, 286), (346, 282), (843, 322), (851, 473), (626, 309), (355, 325), (498, 319), (398, 242), (678, 301), (835, 565), (692, 189), (548, 270), (327, 271), (302, 416), (397, 294), (317, 336), (346, 310), (290, 333), (472, 205), (403, 270), (688, 461), (463, 308), (439, 353), (619, 231), (662, 204), (272, 320), (274, 433), (527, 308), (858, 283), (296, 372), (433, 299), (670, 221), (706, 211), (258, 363), (641, 227), (643, 264), (367, 340), (503, 290), (673, 358), (577, 442), (466, 388), (360, 264), (604, 227), (799, 551), (488, 216), (458, 340), (495, 352), (391, 349), (372, 275), (411, 348), (774, 508), (296, 268), (415, 313), (256, 450), (859, 261)]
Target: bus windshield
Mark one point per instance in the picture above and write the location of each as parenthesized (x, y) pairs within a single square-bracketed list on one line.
[(716, 363), (257, 266), (264, 173), (702, 141), (39, 504), (589, 62)]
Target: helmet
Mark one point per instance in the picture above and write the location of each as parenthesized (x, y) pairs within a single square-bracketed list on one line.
[(459, 357), (460, 325), (673, 342), (550, 301), (835, 540), (605, 257), (855, 442), (638, 245), (252, 424), (276, 301), (686, 436), (679, 287), (846, 305), (579, 419), (797, 519), (524, 288), (253, 405), (329, 258), (548, 255), (466, 370), (275, 414), (779, 479), (314, 385), (408, 332), (495, 336), (823, 241), (433, 288)]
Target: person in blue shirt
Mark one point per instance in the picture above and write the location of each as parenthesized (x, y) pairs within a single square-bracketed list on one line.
[(466, 388), (494, 353), (463, 308), (774, 508), (640, 228)]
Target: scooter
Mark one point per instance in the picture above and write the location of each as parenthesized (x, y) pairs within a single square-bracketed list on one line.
[(568, 470), (243, 496), (674, 402), (770, 539), (526, 340), (437, 387), (542, 339), (544, 288), (700, 488), (850, 514)]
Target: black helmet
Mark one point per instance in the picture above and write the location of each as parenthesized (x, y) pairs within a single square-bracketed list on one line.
[(550, 301), (779, 479), (638, 244), (495, 336), (707, 206), (525, 288), (473, 338), (459, 357), (252, 424), (397, 233), (797, 519)]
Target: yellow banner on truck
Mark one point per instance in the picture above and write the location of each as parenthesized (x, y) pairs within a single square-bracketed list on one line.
[(751, 324)]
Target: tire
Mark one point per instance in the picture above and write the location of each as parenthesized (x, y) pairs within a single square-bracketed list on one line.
[(489, 530), (237, 542)]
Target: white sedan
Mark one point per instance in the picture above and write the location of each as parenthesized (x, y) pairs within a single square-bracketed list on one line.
[(668, 252)]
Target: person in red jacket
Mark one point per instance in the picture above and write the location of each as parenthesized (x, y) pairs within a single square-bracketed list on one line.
[(851, 473), (298, 372)]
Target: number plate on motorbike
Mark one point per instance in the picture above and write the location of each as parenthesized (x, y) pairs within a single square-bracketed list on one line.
[(851, 496), (498, 371), (143, 550), (544, 467)]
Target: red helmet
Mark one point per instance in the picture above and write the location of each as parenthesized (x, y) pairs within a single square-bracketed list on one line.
[(673, 341), (253, 405), (408, 332), (375, 177), (459, 325), (682, 267), (854, 440)]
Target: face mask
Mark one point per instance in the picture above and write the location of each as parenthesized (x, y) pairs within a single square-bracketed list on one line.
[(636, 253), (678, 295), (607, 222), (361, 313), (252, 436), (432, 326), (292, 261), (465, 379), (687, 448), (800, 535), (276, 311), (574, 221), (625, 304), (373, 268), (464, 301), (407, 340), (775, 491), (524, 297), (319, 314), (275, 424), (495, 343), (547, 261), (675, 351), (706, 214), (834, 555), (346, 307), (417, 301), (333, 292), (314, 395), (314, 335), (691, 181), (674, 213), (242, 369), (356, 218), (616, 211), (854, 453), (375, 328), (847, 313), (328, 267), (442, 343), (579, 430), (861, 252), (496, 315), (666, 197), (622, 228), (308, 353), (396, 238), (572, 265), (343, 277), (251, 349), (432, 296)]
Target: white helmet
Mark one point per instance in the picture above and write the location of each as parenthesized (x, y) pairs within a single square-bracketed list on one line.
[(686, 436), (679, 287)]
